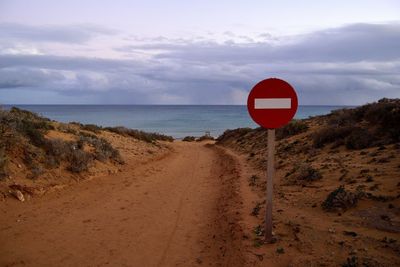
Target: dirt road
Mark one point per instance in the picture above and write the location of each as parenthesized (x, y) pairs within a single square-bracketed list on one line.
[(171, 212)]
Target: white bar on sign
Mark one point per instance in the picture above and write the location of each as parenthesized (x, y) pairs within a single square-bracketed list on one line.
[(272, 103)]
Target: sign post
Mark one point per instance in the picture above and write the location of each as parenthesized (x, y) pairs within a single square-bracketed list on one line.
[(270, 185), (271, 103)]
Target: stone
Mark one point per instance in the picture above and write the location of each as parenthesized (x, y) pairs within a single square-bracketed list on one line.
[(18, 195)]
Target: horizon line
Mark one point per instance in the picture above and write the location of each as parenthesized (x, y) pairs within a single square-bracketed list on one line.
[(317, 105)]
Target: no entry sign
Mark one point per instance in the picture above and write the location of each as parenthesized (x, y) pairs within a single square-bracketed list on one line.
[(272, 103)]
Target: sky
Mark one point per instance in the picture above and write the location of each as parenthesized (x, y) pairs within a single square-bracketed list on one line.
[(197, 52)]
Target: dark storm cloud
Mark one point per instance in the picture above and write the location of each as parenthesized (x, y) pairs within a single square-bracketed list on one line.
[(27, 77), (347, 65), (52, 33)]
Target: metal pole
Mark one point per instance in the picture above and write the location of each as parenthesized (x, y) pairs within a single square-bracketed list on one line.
[(270, 177)]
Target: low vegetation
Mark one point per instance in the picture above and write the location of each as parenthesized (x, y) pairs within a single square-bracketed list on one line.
[(366, 126), (302, 174), (292, 128), (233, 134), (140, 135), (340, 200), (189, 139), (24, 134), (204, 138), (3, 163)]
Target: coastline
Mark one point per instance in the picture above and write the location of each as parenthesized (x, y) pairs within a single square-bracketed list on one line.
[(174, 120)]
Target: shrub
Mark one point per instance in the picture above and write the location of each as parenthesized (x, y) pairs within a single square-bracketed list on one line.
[(58, 148), (343, 117), (103, 149), (24, 118), (204, 137), (233, 134), (382, 116), (331, 134), (189, 139), (256, 209), (340, 199), (51, 161), (36, 172), (302, 174), (91, 127), (140, 135), (386, 114), (351, 262), (66, 128), (293, 128), (3, 163), (33, 155), (79, 161), (359, 139), (253, 180)]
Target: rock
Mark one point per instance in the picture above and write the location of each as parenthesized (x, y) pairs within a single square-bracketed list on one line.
[(18, 195), (350, 233)]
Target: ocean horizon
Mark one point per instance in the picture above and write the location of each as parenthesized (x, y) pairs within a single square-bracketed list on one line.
[(175, 120)]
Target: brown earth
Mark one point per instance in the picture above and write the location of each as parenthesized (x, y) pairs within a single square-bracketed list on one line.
[(174, 210), (191, 206), (363, 233)]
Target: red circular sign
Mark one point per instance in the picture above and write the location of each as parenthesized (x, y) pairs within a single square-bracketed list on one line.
[(272, 103)]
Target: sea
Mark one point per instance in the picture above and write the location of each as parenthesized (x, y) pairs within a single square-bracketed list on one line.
[(174, 120)]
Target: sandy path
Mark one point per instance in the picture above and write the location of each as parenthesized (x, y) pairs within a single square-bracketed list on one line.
[(160, 214)]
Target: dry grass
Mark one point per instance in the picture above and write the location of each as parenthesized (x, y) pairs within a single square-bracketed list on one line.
[(140, 135)]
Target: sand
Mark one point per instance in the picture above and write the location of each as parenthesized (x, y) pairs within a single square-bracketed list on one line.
[(166, 212), (190, 204)]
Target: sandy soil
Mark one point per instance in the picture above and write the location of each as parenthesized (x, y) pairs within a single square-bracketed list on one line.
[(176, 210), (367, 234), (192, 204)]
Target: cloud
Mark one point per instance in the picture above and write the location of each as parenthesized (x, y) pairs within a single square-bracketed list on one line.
[(52, 33), (357, 42), (347, 65)]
